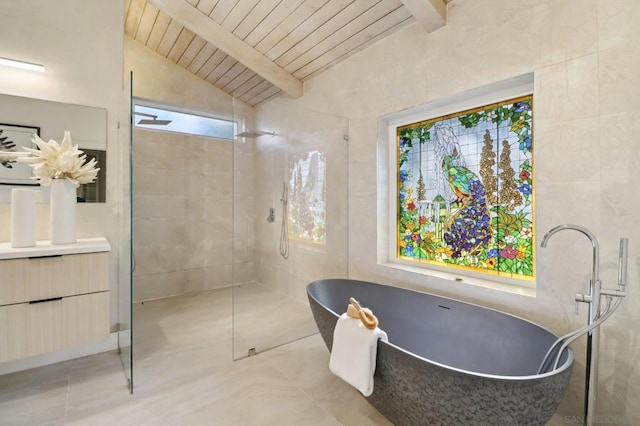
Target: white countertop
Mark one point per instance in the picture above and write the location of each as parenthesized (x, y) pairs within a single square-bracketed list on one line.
[(45, 248)]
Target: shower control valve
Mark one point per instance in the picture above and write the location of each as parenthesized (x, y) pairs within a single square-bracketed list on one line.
[(584, 298), (272, 215)]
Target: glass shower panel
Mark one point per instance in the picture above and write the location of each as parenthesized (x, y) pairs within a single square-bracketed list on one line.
[(125, 272), (290, 210), (182, 234)]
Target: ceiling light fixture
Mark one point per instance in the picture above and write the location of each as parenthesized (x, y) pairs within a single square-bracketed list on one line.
[(21, 64)]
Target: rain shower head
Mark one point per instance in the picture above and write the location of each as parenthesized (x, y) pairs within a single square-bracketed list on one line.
[(154, 119), (154, 122), (254, 134)]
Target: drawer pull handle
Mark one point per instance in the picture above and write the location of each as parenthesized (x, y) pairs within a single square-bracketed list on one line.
[(45, 300), (45, 256)]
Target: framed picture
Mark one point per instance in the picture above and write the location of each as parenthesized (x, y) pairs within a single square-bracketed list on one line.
[(12, 138)]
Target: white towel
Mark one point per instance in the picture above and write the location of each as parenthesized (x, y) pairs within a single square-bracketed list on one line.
[(353, 355)]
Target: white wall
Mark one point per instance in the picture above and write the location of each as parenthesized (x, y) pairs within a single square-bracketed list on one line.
[(585, 57), (157, 78), (80, 45)]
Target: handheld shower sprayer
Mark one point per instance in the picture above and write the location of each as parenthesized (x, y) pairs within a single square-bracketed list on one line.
[(283, 199), (623, 256), (284, 233), (622, 263)]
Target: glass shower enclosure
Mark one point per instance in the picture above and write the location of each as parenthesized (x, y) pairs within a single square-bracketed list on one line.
[(125, 267), (228, 231), (290, 205)]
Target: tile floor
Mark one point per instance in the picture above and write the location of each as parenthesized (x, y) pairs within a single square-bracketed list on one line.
[(263, 319), (184, 375)]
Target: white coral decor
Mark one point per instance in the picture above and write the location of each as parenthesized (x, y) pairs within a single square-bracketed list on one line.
[(60, 161)]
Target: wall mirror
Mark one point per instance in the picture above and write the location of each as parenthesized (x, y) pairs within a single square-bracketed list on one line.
[(21, 117)]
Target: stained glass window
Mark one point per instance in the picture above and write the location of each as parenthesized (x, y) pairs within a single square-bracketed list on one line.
[(465, 190), (307, 199)]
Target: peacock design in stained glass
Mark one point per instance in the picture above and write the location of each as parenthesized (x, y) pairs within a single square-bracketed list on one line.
[(465, 190), (469, 229)]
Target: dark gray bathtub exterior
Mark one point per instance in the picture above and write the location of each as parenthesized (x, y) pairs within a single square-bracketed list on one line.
[(449, 362)]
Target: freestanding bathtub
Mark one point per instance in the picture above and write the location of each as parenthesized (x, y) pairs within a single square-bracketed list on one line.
[(449, 362)]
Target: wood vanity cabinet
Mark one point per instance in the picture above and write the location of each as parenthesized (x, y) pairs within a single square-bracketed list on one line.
[(53, 297)]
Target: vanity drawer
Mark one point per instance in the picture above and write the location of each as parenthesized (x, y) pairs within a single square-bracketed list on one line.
[(28, 329), (28, 279)]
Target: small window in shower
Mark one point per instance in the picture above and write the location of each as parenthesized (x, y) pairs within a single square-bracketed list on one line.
[(161, 119)]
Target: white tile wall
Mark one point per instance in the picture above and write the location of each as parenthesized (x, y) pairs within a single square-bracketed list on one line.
[(183, 235)]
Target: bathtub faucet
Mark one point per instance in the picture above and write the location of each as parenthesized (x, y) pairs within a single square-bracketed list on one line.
[(595, 316), (593, 298)]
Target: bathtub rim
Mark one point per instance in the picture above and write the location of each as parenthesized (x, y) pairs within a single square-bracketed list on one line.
[(566, 365)]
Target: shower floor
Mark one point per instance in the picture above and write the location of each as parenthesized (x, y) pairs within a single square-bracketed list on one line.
[(264, 319)]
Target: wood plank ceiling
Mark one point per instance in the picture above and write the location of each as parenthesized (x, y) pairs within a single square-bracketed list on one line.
[(303, 37)]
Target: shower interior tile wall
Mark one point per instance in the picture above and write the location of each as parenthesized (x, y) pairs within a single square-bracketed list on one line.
[(245, 216), (182, 214)]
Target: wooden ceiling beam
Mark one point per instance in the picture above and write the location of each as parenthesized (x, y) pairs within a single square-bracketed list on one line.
[(202, 25), (431, 14)]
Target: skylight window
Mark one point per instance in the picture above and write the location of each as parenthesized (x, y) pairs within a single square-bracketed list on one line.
[(160, 119)]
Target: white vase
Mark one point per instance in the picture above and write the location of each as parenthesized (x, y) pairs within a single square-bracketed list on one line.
[(63, 212), (23, 217)]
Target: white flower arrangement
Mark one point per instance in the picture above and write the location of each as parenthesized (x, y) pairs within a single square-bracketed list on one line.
[(60, 161)]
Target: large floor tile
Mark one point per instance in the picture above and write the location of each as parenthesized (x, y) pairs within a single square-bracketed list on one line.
[(48, 398), (306, 363), (185, 373)]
